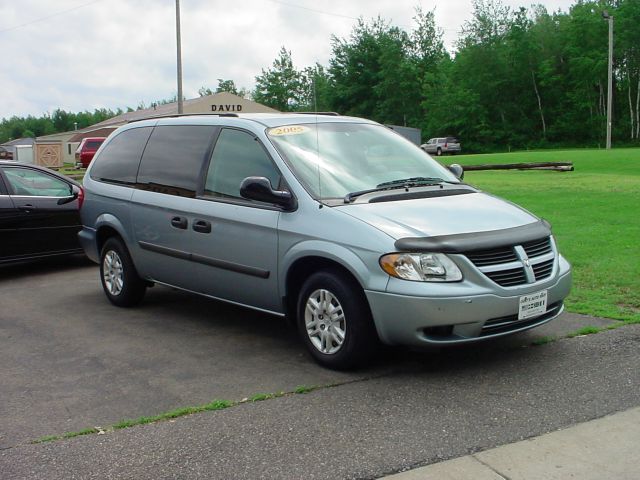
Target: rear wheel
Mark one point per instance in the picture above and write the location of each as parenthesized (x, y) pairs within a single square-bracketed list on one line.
[(439, 152), (334, 320), (120, 281)]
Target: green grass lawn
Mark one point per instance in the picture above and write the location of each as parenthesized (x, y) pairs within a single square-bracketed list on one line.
[(595, 213), (71, 169)]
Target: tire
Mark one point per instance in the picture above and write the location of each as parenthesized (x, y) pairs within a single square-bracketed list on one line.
[(349, 338), (439, 152), (120, 281)]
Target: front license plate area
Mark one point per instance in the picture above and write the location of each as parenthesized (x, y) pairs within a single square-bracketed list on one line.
[(532, 305)]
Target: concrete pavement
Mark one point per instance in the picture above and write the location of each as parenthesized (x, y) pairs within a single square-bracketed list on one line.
[(606, 448)]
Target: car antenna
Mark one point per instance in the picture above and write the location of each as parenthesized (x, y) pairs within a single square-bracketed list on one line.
[(315, 109)]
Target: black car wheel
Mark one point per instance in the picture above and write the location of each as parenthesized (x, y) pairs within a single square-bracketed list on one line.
[(120, 281)]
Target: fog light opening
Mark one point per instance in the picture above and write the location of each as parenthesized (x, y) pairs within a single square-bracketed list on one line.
[(441, 331)]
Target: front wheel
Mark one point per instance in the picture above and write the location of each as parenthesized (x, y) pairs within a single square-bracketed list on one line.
[(439, 152), (334, 320), (120, 281)]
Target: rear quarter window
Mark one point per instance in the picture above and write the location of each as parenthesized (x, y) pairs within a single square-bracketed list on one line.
[(173, 159), (119, 160)]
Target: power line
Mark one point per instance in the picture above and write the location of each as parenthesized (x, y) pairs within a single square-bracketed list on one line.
[(334, 14), (314, 10), (42, 19)]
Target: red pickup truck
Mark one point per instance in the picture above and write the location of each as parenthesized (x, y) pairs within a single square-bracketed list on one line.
[(87, 149)]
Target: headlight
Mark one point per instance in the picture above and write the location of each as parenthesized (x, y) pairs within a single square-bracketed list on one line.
[(421, 267)]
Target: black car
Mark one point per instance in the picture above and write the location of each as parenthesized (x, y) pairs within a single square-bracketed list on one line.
[(39, 213)]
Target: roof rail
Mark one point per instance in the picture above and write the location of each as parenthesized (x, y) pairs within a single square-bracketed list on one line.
[(175, 115), (333, 114)]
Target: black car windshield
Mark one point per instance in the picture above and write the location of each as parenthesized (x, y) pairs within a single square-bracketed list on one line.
[(334, 159)]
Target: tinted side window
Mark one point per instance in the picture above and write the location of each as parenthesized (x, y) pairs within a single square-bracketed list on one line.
[(236, 156), (119, 161), (173, 159), (27, 182)]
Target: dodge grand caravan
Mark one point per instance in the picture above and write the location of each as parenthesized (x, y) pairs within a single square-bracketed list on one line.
[(337, 223)]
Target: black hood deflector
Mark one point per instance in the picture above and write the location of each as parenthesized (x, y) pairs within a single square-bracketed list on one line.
[(469, 242)]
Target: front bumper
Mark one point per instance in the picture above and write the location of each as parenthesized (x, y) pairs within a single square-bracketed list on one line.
[(422, 321)]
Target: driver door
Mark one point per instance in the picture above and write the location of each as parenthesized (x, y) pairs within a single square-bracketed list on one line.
[(40, 225)]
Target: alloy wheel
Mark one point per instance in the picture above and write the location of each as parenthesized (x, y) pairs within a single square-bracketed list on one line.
[(113, 273), (325, 321)]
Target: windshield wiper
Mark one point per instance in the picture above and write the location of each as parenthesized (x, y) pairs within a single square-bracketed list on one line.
[(394, 184), (415, 181), (351, 196)]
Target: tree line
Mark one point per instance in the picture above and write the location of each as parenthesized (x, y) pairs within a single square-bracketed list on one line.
[(523, 78), (58, 121), (63, 121)]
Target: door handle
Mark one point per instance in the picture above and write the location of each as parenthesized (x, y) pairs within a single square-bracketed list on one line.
[(202, 226), (27, 208), (179, 222)]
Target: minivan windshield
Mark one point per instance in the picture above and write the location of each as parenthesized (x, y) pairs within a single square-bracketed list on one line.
[(333, 160)]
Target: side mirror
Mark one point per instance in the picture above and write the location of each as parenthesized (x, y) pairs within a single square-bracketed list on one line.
[(457, 170), (260, 189), (75, 191)]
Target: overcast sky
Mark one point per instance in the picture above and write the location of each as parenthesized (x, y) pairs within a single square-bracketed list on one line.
[(81, 55)]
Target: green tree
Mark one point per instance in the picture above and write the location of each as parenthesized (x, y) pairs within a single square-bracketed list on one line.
[(373, 74), (280, 86), (226, 86), (315, 90), (627, 53), (432, 64)]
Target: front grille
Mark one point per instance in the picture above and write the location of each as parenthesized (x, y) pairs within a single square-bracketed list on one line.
[(537, 247), (482, 258), (543, 270), (514, 265), (511, 322), (508, 278)]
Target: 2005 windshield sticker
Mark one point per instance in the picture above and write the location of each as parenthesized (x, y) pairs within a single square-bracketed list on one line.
[(288, 130)]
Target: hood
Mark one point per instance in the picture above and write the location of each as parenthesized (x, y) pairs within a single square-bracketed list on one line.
[(449, 215)]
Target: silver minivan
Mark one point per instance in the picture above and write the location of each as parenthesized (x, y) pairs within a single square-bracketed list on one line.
[(338, 223)]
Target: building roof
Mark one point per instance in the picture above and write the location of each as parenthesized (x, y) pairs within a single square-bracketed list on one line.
[(216, 103), (19, 141), (56, 137), (92, 132)]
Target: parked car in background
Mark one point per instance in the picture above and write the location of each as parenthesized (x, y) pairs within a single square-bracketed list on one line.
[(87, 149), (440, 146), (39, 213), (338, 223)]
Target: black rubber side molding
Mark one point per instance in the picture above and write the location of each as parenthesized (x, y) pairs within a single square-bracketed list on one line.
[(212, 262)]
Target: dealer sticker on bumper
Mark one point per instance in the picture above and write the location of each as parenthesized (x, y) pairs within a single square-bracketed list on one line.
[(532, 305)]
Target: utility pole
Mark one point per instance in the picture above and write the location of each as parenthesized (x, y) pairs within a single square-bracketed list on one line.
[(179, 49), (609, 19)]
